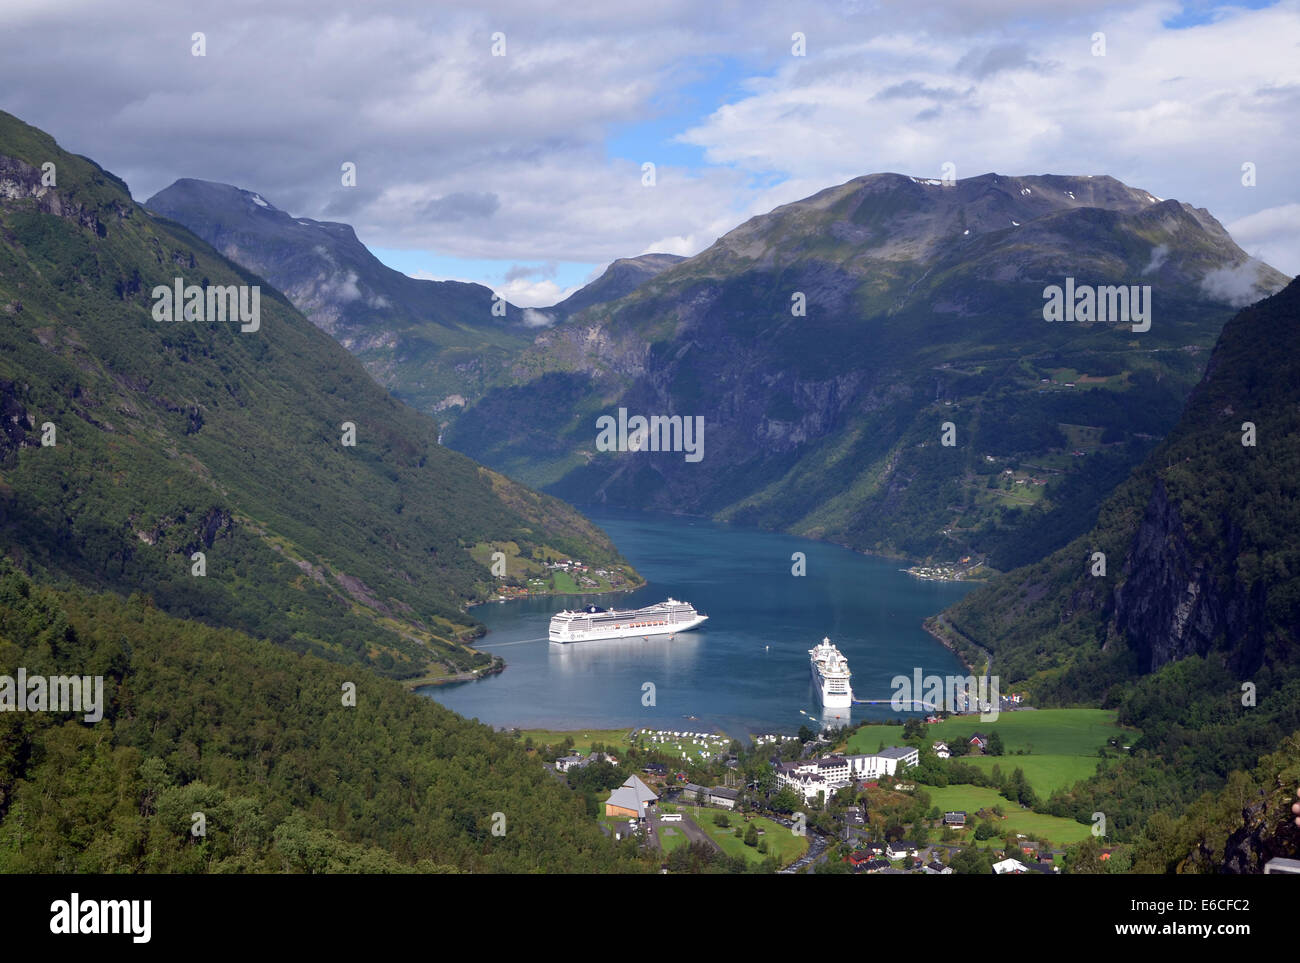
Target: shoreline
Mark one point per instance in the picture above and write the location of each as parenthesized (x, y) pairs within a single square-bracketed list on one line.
[(942, 640), (542, 595)]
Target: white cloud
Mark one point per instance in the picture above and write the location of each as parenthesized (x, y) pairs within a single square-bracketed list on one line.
[(1272, 235), (537, 319), (480, 157), (533, 294), (1238, 284)]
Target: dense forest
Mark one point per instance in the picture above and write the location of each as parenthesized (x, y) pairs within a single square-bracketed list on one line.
[(260, 741)]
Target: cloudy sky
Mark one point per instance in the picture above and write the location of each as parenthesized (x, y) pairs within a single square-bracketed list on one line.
[(525, 171)]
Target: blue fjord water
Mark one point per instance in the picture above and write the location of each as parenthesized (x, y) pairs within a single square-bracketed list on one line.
[(745, 670)]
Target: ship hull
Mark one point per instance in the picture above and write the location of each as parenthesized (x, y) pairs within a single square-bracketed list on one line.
[(563, 636), (830, 700)]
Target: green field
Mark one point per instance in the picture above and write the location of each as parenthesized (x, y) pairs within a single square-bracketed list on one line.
[(668, 843), (1061, 745), (781, 842), (974, 798), (1059, 732), (1045, 773), (612, 739)]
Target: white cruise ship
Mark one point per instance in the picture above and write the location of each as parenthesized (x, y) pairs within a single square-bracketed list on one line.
[(830, 672), (593, 622)]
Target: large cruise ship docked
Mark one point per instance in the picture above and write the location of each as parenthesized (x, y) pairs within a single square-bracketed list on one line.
[(830, 672), (593, 622)]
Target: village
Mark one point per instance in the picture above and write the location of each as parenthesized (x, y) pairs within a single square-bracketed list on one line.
[(699, 801)]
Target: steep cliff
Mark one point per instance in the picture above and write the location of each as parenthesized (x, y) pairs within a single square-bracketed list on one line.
[(1202, 545)]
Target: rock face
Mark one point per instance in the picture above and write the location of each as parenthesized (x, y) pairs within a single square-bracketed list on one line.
[(1171, 605), (826, 343), (422, 339), (1207, 532)]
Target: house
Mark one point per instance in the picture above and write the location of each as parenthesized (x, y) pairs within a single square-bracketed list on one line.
[(936, 868), (633, 799), (1029, 848), (877, 865), (692, 791), (941, 750), (900, 848), (1012, 866), (721, 796), (979, 741), (655, 769), (956, 819), (565, 763), (859, 859)]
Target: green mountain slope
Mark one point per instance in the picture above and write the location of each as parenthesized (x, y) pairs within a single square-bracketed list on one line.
[(1193, 632), (924, 305), (257, 740), (1202, 544), (177, 437), (620, 279)]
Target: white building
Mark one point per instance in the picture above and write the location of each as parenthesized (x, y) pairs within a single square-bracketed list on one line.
[(830, 773), (886, 762)]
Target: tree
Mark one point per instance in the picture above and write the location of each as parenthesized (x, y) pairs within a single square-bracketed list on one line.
[(751, 835), (995, 747), (973, 862), (985, 830), (785, 801)]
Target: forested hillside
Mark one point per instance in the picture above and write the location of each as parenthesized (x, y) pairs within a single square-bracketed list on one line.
[(130, 445), (1193, 630), (258, 740)]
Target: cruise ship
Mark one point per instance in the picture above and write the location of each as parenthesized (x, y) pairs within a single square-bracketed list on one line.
[(830, 672), (593, 622)]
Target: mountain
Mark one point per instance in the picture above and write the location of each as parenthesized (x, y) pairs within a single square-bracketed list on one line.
[(132, 444), (1201, 544), (434, 344), (1192, 629), (618, 280), (826, 344)]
